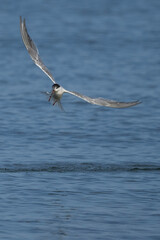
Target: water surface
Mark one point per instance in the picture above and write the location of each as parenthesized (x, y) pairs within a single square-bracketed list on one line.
[(89, 172)]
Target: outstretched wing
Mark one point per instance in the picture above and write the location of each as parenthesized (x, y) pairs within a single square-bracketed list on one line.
[(104, 102), (32, 49)]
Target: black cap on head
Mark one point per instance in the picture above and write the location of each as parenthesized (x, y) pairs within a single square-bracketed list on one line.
[(55, 85)]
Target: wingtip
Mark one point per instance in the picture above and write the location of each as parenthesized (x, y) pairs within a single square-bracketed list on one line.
[(139, 102), (22, 21), (20, 18), (134, 103)]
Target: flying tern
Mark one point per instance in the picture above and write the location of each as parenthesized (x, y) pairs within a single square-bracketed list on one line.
[(57, 90)]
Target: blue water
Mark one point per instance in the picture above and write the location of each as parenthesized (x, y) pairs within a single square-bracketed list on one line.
[(89, 172)]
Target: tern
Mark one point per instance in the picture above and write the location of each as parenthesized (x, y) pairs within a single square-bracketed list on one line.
[(57, 90)]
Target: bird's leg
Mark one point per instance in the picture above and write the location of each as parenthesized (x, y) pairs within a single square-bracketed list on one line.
[(50, 97), (54, 102)]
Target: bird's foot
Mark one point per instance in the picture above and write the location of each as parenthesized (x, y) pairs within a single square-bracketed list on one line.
[(54, 103)]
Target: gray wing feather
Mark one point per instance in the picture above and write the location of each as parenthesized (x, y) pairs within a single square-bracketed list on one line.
[(104, 102), (32, 49)]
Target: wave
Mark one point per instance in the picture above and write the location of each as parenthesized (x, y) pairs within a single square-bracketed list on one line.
[(80, 167)]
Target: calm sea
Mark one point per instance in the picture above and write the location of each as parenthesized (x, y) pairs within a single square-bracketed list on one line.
[(89, 172)]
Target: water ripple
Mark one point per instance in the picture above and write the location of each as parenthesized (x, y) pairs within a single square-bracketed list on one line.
[(81, 167)]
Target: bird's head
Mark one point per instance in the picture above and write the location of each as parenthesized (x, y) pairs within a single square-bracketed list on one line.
[(57, 90), (55, 87)]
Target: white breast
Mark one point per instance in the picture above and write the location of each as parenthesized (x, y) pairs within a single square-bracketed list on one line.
[(59, 92)]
